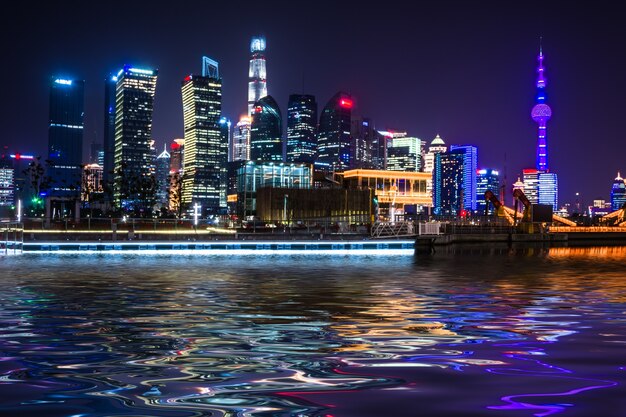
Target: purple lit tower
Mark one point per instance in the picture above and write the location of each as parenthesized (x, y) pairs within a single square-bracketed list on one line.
[(541, 113), (540, 185)]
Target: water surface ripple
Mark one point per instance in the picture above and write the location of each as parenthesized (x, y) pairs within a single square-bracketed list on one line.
[(468, 332)]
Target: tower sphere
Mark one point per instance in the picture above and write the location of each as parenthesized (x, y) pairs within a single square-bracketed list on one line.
[(541, 112)]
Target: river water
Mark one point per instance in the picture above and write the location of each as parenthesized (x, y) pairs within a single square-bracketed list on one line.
[(461, 332)]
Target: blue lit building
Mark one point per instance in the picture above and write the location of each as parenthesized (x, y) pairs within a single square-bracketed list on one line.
[(333, 137), (448, 183), (470, 164), (301, 128), (266, 131), (133, 158), (162, 177), (618, 193), (65, 136), (486, 179)]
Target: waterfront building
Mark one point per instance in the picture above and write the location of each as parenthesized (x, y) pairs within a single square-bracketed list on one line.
[(531, 184), (618, 193), (470, 165), (301, 128), (108, 162), (240, 149), (486, 179), (162, 177), (404, 154), (448, 183), (548, 189), (333, 137), (437, 145), (23, 187), (252, 176), (65, 136), (266, 131), (134, 105), (206, 146), (257, 73), (7, 188)]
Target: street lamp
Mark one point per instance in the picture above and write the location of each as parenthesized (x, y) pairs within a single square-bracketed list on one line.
[(196, 213)]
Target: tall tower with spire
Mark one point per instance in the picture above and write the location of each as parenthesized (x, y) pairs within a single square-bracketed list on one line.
[(257, 74), (541, 113), (540, 185)]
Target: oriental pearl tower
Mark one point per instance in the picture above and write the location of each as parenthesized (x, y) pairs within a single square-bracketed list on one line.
[(541, 113)]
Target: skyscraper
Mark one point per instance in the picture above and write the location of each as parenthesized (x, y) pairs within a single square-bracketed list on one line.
[(177, 155), (437, 145), (486, 179), (404, 154), (618, 193), (365, 144), (162, 177), (333, 137), (448, 183), (301, 128), (65, 136), (470, 164), (257, 76), (266, 131), (110, 88), (241, 140), (206, 150), (134, 103), (7, 187)]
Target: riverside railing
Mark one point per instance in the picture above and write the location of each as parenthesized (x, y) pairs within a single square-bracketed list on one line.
[(12, 240)]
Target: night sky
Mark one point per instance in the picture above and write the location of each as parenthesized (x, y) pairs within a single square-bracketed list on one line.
[(465, 70)]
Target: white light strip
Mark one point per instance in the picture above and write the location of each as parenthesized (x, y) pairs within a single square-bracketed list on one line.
[(230, 252)]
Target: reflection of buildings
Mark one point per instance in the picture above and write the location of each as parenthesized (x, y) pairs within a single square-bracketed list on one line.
[(486, 179)]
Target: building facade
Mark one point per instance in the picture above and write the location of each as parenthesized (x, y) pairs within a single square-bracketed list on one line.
[(257, 73), (486, 179), (618, 193), (108, 144), (206, 146), (7, 186), (266, 131), (65, 136), (301, 128), (134, 104), (404, 154), (333, 138), (470, 165), (163, 177), (240, 149), (448, 183)]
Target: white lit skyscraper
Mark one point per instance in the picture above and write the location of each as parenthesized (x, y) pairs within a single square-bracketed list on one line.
[(240, 150), (404, 154), (257, 75)]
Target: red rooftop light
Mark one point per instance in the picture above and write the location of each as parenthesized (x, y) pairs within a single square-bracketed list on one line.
[(346, 103)]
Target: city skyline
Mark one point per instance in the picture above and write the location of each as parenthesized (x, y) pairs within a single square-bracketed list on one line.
[(471, 82)]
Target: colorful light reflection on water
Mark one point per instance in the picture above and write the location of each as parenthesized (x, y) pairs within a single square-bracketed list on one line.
[(461, 332)]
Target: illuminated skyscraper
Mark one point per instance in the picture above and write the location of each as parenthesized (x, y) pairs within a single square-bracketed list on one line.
[(437, 145), (241, 140), (266, 131), (486, 179), (333, 137), (404, 154), (618, 193), (448, 183), (177, 155), (65, 136), (470, 164), (7, 187), (110, 86), (257, 75), (531, 185), (365, 141), (134, 103), (206, 147), (301, 128), (162, 177)]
